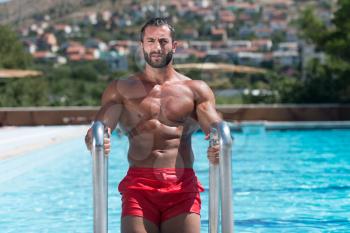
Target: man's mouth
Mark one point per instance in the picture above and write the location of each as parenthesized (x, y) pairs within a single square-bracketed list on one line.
[(156, 55)]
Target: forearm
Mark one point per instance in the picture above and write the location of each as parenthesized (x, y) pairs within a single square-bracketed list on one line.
[(207, 116), (109, 114)]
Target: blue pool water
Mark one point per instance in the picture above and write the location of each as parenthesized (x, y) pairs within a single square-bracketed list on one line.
[(284, 181)]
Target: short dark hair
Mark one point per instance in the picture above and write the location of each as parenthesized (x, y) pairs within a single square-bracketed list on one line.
[(158, 21)]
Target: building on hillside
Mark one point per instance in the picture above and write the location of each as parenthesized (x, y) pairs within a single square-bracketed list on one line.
[(190, 33), (96, 44), (226, 17), (292, 35), (246, 31), (91, 18), (203, 3), (245, 7), (288, 46), (278, 25), (45, 56), (115, 61), (263, 45), (30, 45), (74, 51), (200, 45), (286, 59), (218, 34), (262, 31), (221, 55), (234, 44), (250, 58), (51, 41), (63, 28), (124, 47)]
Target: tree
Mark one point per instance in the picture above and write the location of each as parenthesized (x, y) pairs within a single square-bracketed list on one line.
[(84, 72), (12, 52), (24, 92), (328, 82), (18, 92), (310, 26), (335, 42)]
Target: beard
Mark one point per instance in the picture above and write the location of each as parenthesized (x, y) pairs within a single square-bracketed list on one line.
[(164, 61)]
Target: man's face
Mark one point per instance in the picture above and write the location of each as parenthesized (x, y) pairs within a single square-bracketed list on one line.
[(158, 47)]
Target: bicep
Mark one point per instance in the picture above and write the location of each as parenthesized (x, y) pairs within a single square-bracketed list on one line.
[(205, 107), (111, 107)]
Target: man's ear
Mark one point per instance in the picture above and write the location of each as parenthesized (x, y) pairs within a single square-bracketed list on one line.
[(141, 46), (174, 46)]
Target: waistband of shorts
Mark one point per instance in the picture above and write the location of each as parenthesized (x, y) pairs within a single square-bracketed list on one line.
[(169, 171)]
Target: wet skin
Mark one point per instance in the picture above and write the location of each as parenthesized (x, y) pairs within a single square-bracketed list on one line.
[(159, 109)]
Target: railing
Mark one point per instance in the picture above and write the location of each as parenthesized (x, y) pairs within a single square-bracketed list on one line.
[(100, 179), (220, 176)]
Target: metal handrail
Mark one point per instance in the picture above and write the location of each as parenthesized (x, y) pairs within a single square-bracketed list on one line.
[(220, 176), (100, 179), (214, 187)]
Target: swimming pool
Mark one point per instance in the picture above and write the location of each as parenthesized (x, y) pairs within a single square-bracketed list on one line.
[(284, 181)]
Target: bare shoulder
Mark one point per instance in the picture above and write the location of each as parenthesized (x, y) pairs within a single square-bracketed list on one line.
[(198, 85), (117, 88), (195, 85), (200, 89), (127, 82)]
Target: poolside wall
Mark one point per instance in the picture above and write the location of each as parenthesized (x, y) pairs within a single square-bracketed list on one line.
[(84, 115)]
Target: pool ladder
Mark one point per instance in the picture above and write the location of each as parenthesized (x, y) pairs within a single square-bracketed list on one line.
[(100, 179), (219, 181)]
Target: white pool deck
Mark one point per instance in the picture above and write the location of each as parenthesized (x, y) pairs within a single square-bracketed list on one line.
[(16, 141)]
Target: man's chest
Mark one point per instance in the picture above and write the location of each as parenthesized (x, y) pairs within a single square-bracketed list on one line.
[(166, 105)]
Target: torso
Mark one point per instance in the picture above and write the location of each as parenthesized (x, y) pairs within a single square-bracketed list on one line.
[(159, 121)]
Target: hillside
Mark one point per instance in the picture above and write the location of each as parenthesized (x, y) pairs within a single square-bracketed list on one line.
[(17, 11), (22, 11)]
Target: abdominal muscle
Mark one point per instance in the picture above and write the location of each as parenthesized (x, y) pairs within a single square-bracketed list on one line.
[(160, 146)]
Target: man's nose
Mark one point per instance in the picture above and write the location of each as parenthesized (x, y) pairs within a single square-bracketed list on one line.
[(157, 46)]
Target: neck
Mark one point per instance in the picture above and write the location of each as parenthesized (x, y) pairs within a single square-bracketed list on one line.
[(159, 75)]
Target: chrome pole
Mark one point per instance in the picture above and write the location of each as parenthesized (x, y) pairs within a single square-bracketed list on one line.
[(225, 165), (213, 188), (220, 176), (100, 179)]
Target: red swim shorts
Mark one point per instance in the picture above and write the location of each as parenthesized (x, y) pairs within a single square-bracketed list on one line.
[(158, 194)]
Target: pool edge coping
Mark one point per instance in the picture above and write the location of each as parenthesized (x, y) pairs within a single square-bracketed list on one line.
[(290, 125)]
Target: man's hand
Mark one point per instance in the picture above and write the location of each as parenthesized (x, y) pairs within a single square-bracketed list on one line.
[(213, 154), (106, 140)]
